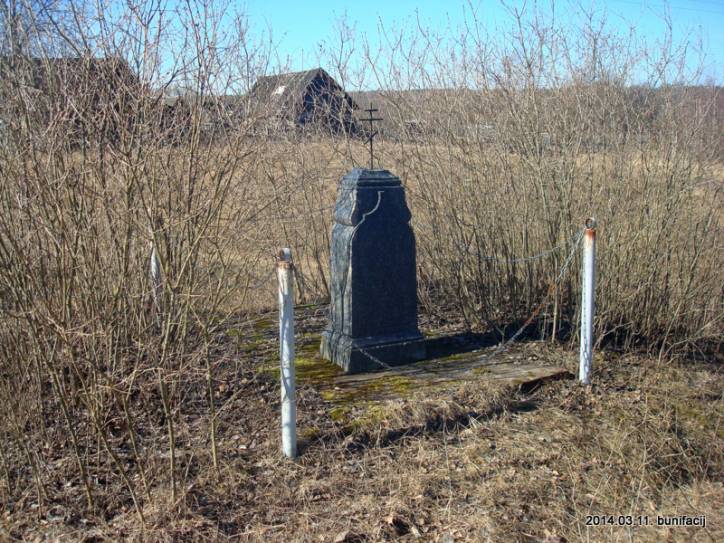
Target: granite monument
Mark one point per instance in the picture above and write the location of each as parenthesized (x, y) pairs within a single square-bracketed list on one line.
[(373, 306)]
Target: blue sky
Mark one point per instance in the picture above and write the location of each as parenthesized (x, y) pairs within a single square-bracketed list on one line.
[(302, 28)]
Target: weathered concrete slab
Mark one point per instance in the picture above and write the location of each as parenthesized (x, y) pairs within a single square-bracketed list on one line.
[(404, 381)]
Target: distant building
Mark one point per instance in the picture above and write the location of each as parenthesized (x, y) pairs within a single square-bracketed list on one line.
[(79, 96), (304, 100), (212, 118)]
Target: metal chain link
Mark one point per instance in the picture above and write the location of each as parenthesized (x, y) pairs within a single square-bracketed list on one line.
[(261, 282), (505, 345), (502, 259)]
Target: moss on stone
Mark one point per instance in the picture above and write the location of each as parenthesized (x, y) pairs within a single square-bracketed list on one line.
[(398, 384), (311, 370), (264, 324), (316, 370), (309, 345)]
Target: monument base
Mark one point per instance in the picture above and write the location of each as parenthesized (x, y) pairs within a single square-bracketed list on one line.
[(358, 355)]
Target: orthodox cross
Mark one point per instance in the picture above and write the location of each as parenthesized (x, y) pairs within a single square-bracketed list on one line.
[(372, 133)]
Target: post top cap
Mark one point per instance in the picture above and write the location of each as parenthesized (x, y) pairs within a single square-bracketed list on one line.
[(364, 177)]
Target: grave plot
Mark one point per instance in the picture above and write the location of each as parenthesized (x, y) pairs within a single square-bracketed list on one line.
[(454, 360), (371, 349)]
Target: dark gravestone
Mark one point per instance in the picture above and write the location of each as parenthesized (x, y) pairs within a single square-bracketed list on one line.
[(373, 310)]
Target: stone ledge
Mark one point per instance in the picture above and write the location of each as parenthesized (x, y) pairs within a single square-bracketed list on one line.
[(353, 354)]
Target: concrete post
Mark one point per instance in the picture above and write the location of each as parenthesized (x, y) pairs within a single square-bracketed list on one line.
[(285, 274), (588, 304)]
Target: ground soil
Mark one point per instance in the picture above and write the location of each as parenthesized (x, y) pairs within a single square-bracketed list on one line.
[(465, 462)]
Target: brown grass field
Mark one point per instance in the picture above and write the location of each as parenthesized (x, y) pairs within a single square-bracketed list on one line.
[(146, 188), (465, 463)]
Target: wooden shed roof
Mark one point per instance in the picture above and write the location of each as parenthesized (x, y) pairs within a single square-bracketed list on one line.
[(287, 88)]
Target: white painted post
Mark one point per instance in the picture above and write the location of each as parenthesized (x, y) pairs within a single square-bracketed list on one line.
[(155, 276), (588, 304), (285, 274)]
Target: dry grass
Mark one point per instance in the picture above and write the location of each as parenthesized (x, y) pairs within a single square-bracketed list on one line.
[(467, 464), (133, 407)]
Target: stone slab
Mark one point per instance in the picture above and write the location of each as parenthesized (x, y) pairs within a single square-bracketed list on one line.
[(356, 355), (403, 381), (373, 307)]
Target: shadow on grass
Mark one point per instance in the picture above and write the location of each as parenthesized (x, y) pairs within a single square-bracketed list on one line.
[(446, 346)]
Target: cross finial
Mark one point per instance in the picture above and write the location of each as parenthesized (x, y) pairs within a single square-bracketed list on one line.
[(372, 133)]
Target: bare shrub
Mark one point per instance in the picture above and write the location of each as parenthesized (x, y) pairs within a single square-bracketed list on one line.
[(508, 144), (131, 132), (100, 171)]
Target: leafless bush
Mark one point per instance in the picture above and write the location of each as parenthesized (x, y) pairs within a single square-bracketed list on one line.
[(132, 132), (507, 144), (100, 170)]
